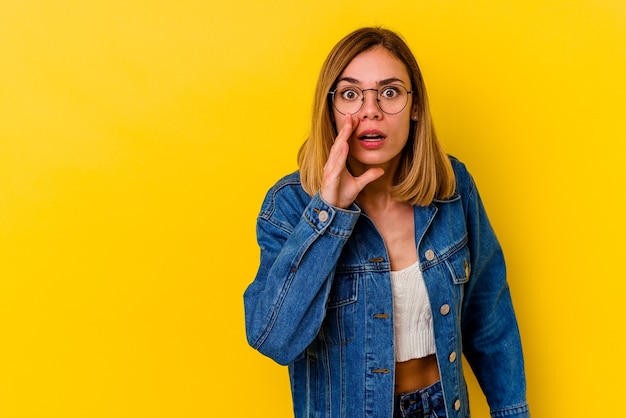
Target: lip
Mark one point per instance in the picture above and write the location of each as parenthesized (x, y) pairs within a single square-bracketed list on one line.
[(371, 139), (362, 136)]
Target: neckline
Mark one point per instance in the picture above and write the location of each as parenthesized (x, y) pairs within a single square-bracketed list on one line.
[(404, 270)]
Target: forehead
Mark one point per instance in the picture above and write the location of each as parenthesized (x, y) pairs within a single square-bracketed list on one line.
[(374, 65)]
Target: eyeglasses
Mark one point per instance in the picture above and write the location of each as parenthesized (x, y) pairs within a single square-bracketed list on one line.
[(391, 99)]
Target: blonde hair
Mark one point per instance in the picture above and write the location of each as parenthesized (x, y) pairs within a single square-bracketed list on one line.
[(425, 172)]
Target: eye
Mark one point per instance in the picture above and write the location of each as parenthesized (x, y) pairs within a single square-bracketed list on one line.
[(390, 92), (349, 93)]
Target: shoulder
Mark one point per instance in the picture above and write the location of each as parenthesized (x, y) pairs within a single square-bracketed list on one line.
[(464, 180), (286, 198), (460, 170)]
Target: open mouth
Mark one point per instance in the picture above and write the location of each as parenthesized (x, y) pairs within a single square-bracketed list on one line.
[(371, 136)]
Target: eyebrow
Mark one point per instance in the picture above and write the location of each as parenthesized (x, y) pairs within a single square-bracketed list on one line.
[(380, 83)]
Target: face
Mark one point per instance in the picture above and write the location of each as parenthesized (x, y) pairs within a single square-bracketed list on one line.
[(378, 139)]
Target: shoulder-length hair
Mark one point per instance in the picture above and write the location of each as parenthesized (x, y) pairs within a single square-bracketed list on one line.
[(424, 172)]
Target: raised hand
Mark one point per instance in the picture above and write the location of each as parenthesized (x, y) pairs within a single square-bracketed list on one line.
[(339, 187)]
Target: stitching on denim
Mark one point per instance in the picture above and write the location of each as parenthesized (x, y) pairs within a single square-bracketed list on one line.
[(281, 297), (278, 225), (285, 182), (458, 246), (522, 407)]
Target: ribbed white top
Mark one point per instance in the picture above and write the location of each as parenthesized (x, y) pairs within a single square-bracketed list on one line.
[(413, 320)]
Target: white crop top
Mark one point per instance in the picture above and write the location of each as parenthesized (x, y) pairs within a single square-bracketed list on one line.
[(413, 321)]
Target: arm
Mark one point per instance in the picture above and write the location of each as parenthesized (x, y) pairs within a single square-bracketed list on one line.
[(491, 337), (286, 303)]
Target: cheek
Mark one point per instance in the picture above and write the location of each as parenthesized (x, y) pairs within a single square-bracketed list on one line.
[(404, 126)]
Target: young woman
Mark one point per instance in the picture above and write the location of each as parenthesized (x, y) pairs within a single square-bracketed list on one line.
[(379, 267)]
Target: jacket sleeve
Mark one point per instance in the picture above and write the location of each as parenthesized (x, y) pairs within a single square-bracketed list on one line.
[(286, 303), (491, 340)]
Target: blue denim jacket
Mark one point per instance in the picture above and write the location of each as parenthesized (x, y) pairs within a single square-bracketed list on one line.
[(322, 303)]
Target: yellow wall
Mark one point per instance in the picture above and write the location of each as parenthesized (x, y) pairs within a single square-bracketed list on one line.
[(137, 139)]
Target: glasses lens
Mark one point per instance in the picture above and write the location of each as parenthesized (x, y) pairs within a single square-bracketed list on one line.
[(391, 99), (348, 99)]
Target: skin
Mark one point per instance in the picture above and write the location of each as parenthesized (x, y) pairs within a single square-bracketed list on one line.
[(363, 171)]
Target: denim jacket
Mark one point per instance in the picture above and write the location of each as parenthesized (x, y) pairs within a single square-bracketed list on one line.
[(322, 303)]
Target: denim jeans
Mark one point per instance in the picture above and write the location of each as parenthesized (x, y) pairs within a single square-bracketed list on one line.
[(423, 403)]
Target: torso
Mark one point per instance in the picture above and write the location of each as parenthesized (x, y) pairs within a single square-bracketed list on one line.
[(396, 225)]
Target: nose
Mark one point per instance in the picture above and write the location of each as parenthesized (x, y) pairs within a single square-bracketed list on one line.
[(370, 108)]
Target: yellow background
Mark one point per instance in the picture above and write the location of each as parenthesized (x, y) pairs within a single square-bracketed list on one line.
[(137, 139)]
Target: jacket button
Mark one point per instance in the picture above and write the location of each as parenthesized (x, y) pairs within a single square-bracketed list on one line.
[(323, 216), (452, 357), (430, 255), (445, 309), (457, 405)]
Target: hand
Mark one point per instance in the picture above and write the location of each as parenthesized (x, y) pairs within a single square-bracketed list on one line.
[(339, 187)]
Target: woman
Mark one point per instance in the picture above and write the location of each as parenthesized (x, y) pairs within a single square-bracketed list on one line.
[(379, 267)]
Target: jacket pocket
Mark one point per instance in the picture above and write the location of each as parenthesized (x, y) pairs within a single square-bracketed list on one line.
[(459, 266), (339, 323)]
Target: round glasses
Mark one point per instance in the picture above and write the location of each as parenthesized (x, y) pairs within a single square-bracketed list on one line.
[(391, 99)]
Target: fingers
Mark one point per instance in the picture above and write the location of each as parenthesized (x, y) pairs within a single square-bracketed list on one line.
[(339, 150), (349, 125), (369, 176), (337, 157), (339, 187)]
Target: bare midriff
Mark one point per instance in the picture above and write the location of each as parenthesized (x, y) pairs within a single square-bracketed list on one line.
[(416, 374)]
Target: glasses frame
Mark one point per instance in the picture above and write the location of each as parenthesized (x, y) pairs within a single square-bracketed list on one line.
[(332, 98)]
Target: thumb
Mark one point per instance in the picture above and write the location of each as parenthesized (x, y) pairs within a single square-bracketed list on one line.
[(369, 176)]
